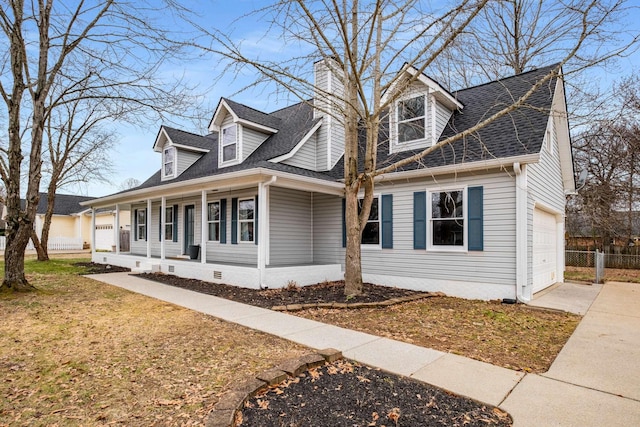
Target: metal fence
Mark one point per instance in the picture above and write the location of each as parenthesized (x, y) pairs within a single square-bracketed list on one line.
[(588, 259)]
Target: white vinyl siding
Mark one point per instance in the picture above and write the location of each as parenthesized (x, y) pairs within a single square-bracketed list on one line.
[(290, 226), (305, 157), (443, 114)]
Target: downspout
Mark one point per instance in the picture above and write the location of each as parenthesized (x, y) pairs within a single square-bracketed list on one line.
[(263, 220), (521, 232)]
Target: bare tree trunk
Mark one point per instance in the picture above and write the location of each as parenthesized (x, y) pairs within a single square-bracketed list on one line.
[(353, 266), (37, 243)]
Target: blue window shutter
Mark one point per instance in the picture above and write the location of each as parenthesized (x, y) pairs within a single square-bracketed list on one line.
[(146, 224), (344, 223), (135, 224), (160, 223), (175, 223), (420, 220), (223, 221), (255, 221), (476, 220), (387, 221), (234, 221)]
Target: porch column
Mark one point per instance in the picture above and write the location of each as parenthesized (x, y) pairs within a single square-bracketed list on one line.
[(117, 229), (263, 222), (204, 227), (163, 220), (93, 231), (148, 225)]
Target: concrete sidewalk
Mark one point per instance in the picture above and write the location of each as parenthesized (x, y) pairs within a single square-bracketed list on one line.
[(565, 396)]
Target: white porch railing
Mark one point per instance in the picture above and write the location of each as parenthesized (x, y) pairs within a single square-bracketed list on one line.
[(54, 244)]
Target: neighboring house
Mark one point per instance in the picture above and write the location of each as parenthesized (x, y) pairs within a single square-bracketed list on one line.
[(262, 194), (71, 223)]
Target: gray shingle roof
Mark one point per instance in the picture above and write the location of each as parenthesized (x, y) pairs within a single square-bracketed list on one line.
[(252, 115), (519, 133), (189, 139), (65, 204)]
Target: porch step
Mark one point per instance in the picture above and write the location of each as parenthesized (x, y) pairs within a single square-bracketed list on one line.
[(146, 268)]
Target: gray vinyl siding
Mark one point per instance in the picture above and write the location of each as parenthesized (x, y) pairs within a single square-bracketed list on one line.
[(327, 229), (240, 253), (321, 78), (290, 227), (305, 157), (443, 114), (185, 159), (251, 139), (138, 247), (322, 148), (496, 264), (544, 181), (337, 127)]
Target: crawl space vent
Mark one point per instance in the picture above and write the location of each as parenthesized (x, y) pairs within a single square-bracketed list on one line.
[(137, 264), (171, 269), (217, 275), (104, 259)]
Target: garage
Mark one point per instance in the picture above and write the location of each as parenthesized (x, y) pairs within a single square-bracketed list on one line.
[(545, 249), (104, 237)]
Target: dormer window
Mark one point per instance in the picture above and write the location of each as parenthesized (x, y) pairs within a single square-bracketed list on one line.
[(411, 119), (229, 143), (169, 161)]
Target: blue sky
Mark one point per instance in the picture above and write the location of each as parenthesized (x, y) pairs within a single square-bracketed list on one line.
[(133, 156)]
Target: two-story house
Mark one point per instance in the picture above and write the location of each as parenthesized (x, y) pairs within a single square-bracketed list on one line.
[(262, 197)]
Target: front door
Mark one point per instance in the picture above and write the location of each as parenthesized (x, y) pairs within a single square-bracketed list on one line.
[(189, 226)]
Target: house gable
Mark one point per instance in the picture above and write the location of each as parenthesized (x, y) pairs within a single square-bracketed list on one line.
[(420, 113), (179, 151), (241, 131)]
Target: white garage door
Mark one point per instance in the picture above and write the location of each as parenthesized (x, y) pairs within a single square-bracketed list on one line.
[(544, 250), (104, 237)]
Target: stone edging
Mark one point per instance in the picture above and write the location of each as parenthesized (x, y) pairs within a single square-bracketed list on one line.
[(224, 411), (345, 305)]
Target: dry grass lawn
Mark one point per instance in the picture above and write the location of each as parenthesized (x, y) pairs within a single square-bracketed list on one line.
[(513, 336), (587, 274), (79, 352)]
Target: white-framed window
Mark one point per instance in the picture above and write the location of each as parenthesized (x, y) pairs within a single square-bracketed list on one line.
[(447, 223), (168, 223), (229, 143), (246, 215), (141, 224), (411, 115), (168, 162), (213, 220), (371, 232)]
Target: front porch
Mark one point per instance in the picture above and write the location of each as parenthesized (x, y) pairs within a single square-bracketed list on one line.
[(245, 275)]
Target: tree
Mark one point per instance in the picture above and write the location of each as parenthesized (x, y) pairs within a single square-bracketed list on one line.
[(60, 52), (129, 184), (367, 43)]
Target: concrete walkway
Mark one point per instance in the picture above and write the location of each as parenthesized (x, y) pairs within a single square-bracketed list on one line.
[(595, 380)]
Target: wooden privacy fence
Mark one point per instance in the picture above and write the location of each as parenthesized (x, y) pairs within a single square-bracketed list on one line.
[(54, 244), (588, 259)]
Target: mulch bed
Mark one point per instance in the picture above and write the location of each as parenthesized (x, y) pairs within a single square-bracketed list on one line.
[(268, 298), (94, 268), (345, 393)]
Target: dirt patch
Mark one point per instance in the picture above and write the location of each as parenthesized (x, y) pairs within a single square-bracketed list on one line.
[(345, 393)]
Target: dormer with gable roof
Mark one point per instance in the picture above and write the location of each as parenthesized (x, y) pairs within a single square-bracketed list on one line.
[(179, 150), (418, 117), (241, 131)]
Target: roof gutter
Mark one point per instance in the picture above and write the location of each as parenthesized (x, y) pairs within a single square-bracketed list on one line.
[(206, 182), (501, 163)]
